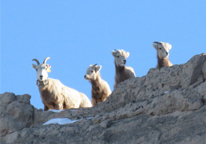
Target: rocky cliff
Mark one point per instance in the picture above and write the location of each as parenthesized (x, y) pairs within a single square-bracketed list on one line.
[(167, 106)]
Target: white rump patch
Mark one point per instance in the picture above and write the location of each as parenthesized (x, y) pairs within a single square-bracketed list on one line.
[(60, 121)]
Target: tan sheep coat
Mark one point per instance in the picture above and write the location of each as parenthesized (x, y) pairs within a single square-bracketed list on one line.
[(100, 90), (57, 96), (123, 73), (163, 62)]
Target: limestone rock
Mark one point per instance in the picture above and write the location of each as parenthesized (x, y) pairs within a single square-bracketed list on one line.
[(16, 113), (167, 106)]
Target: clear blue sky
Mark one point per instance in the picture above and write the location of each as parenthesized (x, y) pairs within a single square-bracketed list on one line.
[(76, 34)]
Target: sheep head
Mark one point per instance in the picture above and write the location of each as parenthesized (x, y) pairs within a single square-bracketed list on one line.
[(162, 49), (92, 72), (120, 57), (42, 69)]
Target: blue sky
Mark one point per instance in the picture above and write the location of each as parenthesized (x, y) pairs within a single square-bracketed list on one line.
[(76, 34)]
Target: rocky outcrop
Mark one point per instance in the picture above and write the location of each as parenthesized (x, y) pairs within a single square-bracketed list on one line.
[(166, 106), (16, 113)]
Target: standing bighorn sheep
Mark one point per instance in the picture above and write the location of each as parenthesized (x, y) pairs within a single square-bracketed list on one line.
[(122, 72), (100, 88), (54, 94), (162, 54)]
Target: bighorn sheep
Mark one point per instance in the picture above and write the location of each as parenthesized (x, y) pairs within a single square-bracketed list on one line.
[(54, 94), (122, 72), (100, 88), (162, 54)]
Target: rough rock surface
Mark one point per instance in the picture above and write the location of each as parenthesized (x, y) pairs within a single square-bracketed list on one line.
[(167, 106)]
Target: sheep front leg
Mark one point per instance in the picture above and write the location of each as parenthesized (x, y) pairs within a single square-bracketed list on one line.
[(93, 102), (59, 106), (45, 108)]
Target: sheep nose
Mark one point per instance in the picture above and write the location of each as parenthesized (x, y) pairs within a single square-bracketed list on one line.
[(167, 53), (85, 76), (41, 76), (124, 61)]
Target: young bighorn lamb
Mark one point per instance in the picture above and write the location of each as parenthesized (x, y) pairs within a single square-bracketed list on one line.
[(54, 94), (100, 88), (162, 54), (122, 72)]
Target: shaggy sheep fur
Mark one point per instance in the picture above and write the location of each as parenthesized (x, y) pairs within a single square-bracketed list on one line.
[(57, 96), (122, 72), (54, 94), (162, 54), (100, 88)]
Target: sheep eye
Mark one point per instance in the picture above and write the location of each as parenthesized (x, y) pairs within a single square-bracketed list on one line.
[(117, 56), (160, 48), (92, 71)]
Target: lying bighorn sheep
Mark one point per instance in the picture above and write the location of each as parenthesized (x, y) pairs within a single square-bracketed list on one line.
[(54, 94), (100, 88), (122, 72), (162, 54)]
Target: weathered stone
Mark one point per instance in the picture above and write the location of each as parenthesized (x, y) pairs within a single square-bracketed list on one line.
[(24, 98), (7, 98), (16, 115), (167, 106)]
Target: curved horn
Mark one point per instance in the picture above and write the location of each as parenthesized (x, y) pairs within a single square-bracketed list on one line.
[(46, 60), (36, 61), (94, 64), (156, 42)]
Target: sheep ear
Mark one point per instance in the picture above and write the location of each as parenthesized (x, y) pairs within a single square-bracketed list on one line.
[(128, 54), (48, 68), (155, 46), (98, 68), (34, 66), (169, 46), (114, 53)]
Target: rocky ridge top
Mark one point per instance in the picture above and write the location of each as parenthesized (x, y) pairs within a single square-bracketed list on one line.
[(166, 106)]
